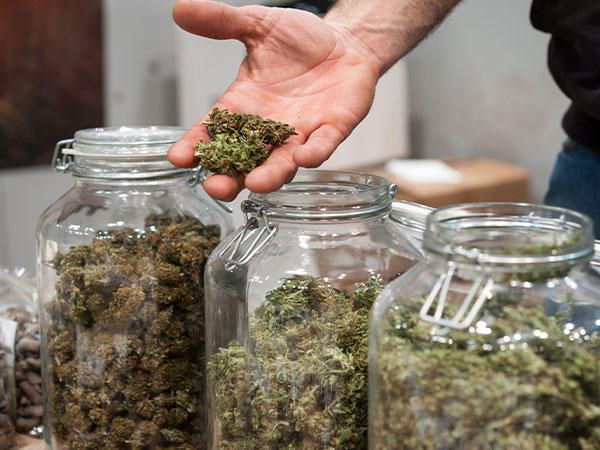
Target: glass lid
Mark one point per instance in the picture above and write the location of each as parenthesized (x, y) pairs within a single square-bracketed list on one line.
[(124, 141)]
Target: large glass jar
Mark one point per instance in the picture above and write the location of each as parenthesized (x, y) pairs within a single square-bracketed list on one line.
[(7, 428), (491, 341), (288, 300), (121, 259), (19, 321)]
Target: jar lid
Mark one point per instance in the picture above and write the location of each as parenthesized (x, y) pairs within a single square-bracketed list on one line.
[(124, 142), (140, 150)]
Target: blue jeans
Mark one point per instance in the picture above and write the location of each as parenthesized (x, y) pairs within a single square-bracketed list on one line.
[(575, 182)]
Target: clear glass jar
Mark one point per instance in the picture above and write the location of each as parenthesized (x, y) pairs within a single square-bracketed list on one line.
[(8, 330), (19, 320), (288, 300), (7, 427), (121, 258), (491, 341)]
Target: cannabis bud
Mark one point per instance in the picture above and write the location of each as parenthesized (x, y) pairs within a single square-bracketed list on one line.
[(239, 141), (302, 381), (520, 377), (125, 338)]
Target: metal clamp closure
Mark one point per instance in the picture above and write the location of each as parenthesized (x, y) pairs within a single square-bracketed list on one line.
[(199, 175), (60, 161), (236, 255), (468, 310)]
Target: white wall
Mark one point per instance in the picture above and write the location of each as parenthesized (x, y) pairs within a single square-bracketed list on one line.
[(24, 195), (139, 56), (479, 85)]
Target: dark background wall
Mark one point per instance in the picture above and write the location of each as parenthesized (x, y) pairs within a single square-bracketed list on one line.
[(50, 75)]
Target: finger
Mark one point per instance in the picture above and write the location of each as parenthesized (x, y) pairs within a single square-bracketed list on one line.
[(319, 147), (276, 171), (223, 187), (181, 153), (211, 19)]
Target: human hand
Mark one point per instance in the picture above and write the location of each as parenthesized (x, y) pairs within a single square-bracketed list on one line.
[(299, 69)]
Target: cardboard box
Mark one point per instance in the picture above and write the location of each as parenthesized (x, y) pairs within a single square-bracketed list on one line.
[(484, 180)]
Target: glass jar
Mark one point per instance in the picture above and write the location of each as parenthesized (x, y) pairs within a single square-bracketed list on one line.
[(7, 427), (19, 320), (10, 297), (121, 259), (491, 341), (288, 300)]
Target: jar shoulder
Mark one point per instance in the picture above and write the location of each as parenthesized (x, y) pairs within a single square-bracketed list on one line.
[(85, 210)]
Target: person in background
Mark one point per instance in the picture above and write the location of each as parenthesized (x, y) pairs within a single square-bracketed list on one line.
[(320, 74)]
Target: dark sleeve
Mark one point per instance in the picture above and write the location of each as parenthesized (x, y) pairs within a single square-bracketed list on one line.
[(574, 61)]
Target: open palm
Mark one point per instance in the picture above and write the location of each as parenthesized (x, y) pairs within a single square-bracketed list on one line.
[(298, 69)]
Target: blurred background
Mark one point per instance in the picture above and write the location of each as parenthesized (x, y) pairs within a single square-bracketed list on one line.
[(476, 95)]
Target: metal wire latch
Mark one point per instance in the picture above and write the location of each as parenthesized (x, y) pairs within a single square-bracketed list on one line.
[(62, 162), (199, 175), (468, 310), (238, 256)]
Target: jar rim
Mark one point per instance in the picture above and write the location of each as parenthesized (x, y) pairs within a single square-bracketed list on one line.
[(510, 234), (327, 194)]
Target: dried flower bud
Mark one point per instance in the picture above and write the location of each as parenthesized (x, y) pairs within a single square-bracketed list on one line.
[(239, 141), (302, 383), (521, 382), (126, 338)]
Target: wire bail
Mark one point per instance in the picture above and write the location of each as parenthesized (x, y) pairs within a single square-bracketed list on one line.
[(62, 162), (260, 240), (198, 175), (462, 319)]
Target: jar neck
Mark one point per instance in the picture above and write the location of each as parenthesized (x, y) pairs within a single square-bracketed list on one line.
[(509, 237), (180, 180), (325, 196), (126, 170)]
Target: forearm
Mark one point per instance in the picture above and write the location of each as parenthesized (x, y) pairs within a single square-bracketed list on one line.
[(388, 29)]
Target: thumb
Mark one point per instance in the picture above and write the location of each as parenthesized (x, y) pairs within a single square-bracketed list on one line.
[(212, 19)]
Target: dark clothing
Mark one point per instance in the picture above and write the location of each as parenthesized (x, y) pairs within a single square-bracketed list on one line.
[(574, 61), (575, 180)]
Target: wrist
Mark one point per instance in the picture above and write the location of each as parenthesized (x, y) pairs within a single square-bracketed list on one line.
[(362, 29), (386, 30)]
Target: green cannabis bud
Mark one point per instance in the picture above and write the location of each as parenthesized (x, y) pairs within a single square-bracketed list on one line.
[(302, 382), (517, 378), (239, 141), (125, 338)]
